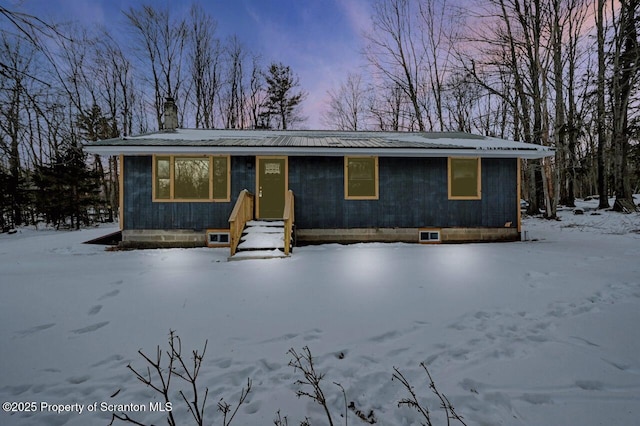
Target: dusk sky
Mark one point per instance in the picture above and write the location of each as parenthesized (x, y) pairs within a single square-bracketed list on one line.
[(320, 39)]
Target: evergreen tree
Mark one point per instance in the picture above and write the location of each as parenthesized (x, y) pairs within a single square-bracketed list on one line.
[(94, 125), (14, 198), (282, 97), (67, 189), (5, 203)]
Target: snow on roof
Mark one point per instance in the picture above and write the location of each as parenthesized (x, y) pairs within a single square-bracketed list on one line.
[(306, 142)]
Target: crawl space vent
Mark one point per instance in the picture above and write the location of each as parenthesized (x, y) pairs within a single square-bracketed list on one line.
[(429, 236), (218, 238)]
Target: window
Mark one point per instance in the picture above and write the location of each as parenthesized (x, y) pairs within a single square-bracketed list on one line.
[(191, 178), (221, 178), (427, 236), (464, 179), (361, 178), (163, 178), (218, 237)]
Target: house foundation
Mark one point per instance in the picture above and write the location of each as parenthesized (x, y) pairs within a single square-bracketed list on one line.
[(159, 238), (406, 235)]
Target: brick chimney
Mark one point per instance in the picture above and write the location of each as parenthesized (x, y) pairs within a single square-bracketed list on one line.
[(170, 115)]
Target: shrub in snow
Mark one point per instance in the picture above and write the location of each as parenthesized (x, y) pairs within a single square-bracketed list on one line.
[(310, 383), (422, 409), (158, 376), (311, 388)]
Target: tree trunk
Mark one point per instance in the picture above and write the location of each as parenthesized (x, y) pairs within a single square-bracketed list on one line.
[(600, 123), (626, 62)]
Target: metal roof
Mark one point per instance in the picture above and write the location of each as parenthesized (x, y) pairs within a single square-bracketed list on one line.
[(306, 142)]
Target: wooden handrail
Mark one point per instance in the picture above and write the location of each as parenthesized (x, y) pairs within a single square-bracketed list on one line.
[(289, 219), (241, 214)]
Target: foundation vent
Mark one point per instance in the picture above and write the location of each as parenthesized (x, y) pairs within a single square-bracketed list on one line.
[(218, 238), (429, 236)]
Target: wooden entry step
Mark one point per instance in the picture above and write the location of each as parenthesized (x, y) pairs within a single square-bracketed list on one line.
[(261, 239)]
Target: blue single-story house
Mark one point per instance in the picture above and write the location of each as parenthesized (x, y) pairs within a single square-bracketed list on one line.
[(195, 187)]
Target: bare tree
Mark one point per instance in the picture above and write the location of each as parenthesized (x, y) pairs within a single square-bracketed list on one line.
[(601, 113), (625, 66), (437, 29), (29, 28), (17, 63), (234, 98), (460, 98), (257, 92), (347, 107), (411, 46), (517, 44), (205, 66), (569, 30), (160, 46), (113, 75), (389, 108), (394, 53)]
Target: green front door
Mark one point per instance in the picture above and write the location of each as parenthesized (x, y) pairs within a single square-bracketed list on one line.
[(271, 187)]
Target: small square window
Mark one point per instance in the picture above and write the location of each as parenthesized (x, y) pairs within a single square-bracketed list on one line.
[(218, 238), (429, 236)]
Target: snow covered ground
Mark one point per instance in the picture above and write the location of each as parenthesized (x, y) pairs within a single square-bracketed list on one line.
[(539, 332)]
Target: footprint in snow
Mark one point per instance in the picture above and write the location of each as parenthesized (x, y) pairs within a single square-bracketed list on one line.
[(590, 385), (252, 407), (78, 380), (35, 329), (110, 294), (107, 360), (223, 362), (90, 328), (268, 366), (585, 341), (94, 310), (537, 398), (385, 336), (396, 352), (314, 334), (287, 336)]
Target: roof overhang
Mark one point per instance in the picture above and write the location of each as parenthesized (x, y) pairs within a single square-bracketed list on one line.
[(315, 151), (318, 143)]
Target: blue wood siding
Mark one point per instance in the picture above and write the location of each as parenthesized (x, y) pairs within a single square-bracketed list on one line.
[(413, 193), (141, 213)]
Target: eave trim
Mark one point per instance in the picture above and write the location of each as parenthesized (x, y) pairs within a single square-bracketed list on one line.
[(320, 151)]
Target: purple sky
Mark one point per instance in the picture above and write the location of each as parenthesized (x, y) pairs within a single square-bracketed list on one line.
[(320, 39)]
